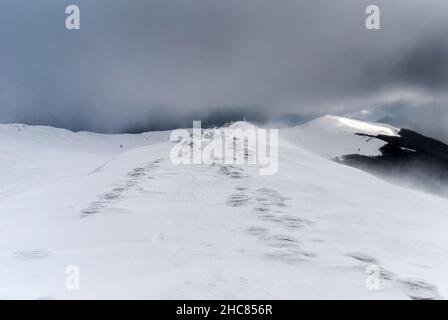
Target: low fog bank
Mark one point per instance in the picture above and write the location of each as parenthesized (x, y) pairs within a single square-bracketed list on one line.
[(166, 120)]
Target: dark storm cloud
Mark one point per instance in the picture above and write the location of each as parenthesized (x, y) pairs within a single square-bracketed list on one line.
[(423, 65), (156, 64), (426, 65)]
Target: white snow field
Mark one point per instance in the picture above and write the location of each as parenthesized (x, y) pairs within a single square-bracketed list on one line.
[(140, 227)]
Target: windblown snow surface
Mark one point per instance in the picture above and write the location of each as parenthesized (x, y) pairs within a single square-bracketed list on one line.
[(141, 227)]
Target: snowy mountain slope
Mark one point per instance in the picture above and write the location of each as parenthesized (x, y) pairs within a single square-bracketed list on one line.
[(141, 227), (398, 155), (333, 136), (34, 155)]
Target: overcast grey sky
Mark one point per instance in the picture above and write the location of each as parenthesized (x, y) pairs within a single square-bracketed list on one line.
[(151, 64)]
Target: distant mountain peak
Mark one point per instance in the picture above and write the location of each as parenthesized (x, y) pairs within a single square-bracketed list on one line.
[(369, 114)]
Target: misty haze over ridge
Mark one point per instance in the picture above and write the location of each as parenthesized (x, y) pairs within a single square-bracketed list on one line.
[(153, 65)]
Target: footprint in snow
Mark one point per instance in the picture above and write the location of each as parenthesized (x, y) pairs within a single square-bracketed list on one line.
[(363, 257), (135, 176), (293, 222), (237, 200), (232, 171), (282, 241), (31, 254), (257, 231), (418, 289)]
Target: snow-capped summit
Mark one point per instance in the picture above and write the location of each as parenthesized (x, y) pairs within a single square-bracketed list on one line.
[(369, 114), (334, 136), (399, 155)]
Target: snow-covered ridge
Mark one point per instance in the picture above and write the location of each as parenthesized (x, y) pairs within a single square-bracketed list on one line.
[(33, 156), (334, 136), (141, 227), (397, 155), (49, 137)]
